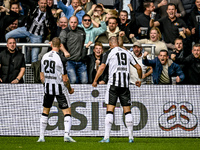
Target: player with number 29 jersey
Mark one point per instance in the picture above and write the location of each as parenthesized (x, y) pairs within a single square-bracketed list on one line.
[(53, 67)]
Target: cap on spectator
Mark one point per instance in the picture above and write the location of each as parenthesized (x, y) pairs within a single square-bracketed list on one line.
[(137, 44)]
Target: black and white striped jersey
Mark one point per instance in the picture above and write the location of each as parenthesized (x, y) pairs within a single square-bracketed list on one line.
[(53, 67), (119, 61), (37, 27)]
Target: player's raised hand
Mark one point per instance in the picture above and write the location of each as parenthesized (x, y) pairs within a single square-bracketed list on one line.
[(173, 56), (71, 91), (79, 8), (131, 36), (94, 84), (145, 54), (138, 83), (122, 33), (93, 6), (178, 79)]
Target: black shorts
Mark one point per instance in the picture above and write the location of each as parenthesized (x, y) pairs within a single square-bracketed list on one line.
[(62, 99), (114, 92)]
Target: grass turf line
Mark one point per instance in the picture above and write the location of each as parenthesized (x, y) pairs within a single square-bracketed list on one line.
[(91, 143)]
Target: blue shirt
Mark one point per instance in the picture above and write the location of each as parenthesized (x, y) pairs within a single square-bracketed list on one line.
[(69, 11)]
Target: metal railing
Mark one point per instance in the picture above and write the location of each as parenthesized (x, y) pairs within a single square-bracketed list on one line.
[(28, 77)]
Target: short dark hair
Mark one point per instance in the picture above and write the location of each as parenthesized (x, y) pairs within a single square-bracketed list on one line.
[(14, 3), (112, 18), (124, 11), (99, 6), (11, 38), (164, 50), (146, 4), (171, 4), (179, 38), (98, 44), (86, 15)]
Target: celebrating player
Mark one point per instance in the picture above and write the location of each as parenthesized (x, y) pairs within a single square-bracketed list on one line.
[(119, 61), (56, 83)]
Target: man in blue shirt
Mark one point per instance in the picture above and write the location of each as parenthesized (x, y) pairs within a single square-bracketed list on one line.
[(73, 9), (163, 68)]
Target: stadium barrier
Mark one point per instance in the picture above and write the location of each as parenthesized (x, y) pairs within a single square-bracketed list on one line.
[(157, 110), (28, 77)]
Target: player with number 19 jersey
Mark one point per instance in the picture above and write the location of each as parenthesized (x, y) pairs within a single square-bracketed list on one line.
[(119, 61), (53, 67)]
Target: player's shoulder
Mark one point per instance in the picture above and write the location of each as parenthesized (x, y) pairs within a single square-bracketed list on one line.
[(107, 52), (46, 55), (50, 54), (119, 49)]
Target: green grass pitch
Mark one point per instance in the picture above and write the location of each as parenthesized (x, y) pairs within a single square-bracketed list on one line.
[(91, 143)]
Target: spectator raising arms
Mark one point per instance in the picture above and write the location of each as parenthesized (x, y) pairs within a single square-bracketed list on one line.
[(86, 5), (6, 20), (155, 37), (73, 9), (161, 5), (98, 13), (138, 55), (91, 32), (164, 68), (127, 25), (142, 21), (171, 26), (39, 22), (194, 22), (191, 65), (93, 61)]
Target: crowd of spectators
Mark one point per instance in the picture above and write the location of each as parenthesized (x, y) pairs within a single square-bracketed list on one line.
[(173, 26)]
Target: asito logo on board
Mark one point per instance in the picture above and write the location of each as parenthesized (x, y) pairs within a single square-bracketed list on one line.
[(178, 115)]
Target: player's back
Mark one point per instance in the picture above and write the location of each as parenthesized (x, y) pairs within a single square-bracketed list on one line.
[(53, 68), (119, 61)]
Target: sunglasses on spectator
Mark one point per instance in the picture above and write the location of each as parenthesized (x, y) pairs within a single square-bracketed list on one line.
[(87, 20)]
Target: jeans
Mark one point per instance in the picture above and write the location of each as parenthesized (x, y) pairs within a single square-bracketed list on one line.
[(22, 32), (77, 72)]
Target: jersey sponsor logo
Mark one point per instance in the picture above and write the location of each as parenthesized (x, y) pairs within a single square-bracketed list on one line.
[(50, 77), (178, 115), (121, 69), (176, 24)]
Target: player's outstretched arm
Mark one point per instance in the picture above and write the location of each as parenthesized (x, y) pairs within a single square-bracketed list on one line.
[(99, 73), (139, 70), (67, 84), (42, 77)]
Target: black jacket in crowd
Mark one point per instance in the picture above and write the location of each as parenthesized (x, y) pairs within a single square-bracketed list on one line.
[(91, 71), (5, 21), (194, 24), (188, 5), (11, 65), (191, 69), (129, 27)]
